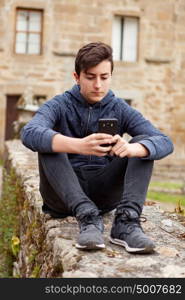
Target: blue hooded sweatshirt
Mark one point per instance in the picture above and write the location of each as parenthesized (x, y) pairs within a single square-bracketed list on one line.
[(71, 115)]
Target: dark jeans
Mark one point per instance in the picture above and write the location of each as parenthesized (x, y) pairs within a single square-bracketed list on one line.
[(124, 181)]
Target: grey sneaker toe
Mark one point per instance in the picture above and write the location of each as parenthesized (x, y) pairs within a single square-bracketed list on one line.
[(90, 239), (144, 245)]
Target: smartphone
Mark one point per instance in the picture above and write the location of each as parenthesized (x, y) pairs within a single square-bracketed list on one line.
[(109, 126)]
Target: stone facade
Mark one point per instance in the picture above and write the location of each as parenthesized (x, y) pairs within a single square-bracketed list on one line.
[(156, 83)]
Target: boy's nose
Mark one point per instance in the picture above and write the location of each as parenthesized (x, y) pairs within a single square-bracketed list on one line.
[(97, 83)]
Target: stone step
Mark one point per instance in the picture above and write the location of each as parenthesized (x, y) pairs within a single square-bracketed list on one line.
[(166, 190), (169, 173)]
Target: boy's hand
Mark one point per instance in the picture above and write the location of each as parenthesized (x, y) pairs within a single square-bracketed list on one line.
[(122, 148), (91, 144)]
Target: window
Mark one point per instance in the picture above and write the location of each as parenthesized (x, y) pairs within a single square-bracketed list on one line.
[(125, 38), (128, 101), (28, 31)]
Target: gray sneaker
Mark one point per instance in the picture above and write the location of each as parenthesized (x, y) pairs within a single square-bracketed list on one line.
[(91, 229), (127, 232)]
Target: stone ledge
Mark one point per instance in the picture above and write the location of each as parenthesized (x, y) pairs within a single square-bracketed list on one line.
[(47, 245)]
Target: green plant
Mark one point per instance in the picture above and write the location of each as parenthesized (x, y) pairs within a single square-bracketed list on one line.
[(32, 255), (179, 209), (36, 272), (15, 245), (9, 220)]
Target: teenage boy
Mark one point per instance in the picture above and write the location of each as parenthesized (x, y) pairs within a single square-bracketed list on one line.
[(80, 177)]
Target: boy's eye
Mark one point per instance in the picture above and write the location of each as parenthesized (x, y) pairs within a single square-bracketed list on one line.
[(91, 78)]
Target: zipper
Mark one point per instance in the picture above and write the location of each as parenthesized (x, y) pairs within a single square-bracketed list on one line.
[(88, 120)]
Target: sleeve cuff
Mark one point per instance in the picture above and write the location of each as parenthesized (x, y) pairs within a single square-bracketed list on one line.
[(46, 143), (150, 147)]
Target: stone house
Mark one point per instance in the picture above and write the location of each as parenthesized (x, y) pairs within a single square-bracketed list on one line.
[(39, 40)]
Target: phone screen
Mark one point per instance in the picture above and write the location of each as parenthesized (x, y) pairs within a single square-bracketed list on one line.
[(109, 126)]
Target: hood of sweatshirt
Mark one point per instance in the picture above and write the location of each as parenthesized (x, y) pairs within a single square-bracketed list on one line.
[(75, 92)]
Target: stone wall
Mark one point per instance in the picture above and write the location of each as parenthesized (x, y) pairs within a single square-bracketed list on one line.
[(155, 83), (47, 246)]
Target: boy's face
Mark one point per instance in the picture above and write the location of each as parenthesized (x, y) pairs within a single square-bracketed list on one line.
[(95, 82)]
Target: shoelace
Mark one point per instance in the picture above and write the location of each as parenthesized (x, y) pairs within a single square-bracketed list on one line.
[(130, 223), (88, 220)]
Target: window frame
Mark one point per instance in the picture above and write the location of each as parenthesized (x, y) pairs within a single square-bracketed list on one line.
[(122, 19), (41, 11), (129, 101)]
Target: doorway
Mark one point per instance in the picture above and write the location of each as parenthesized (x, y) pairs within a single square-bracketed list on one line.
[(11, 115)]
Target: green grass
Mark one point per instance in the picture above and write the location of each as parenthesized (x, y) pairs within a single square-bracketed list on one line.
[(178, 200), (166, 185), (167, 198), (9, 213)]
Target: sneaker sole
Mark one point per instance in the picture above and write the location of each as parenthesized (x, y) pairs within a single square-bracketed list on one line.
[(148, 249), (90, 246)]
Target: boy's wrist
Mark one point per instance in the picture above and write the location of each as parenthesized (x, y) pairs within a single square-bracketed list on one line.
[(142, 150), (61, 143)]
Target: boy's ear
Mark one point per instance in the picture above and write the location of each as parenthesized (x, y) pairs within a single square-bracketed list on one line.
[(76, 77)]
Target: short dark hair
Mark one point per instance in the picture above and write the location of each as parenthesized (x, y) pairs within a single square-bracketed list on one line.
[(91, 55)]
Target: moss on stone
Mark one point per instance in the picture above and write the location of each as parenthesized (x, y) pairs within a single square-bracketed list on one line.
[(36, 271), (9, 221), (32, 256)]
